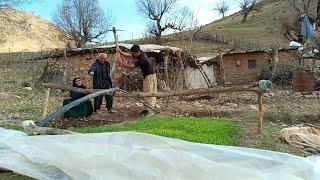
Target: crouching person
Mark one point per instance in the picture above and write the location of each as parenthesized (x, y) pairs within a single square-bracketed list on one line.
[(82, 110), (149, 76), (100, 71)]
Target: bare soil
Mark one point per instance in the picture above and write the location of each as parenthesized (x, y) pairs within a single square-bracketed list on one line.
[(283, 109)]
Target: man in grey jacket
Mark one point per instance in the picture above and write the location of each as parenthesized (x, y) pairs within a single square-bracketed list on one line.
[(100, 70)]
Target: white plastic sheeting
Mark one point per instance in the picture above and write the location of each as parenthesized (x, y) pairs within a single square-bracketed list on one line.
[(130, 155), (144, 47)]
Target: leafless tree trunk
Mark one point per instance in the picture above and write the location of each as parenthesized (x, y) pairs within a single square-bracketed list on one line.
[(164, 15), (247, 6), (222, 7), (83, 20)]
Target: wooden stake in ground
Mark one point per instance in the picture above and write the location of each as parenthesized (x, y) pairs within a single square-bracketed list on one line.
[(45, 102), (265, 86), (261, 113)]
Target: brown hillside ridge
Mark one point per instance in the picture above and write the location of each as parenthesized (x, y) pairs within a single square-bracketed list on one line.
[(263, 30), (21, 31)]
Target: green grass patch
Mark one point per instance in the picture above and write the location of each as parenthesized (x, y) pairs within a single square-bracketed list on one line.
[(13, 176), (200, 130), (17, 128)]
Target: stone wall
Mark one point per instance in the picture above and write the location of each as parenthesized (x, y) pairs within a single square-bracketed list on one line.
[(78, 66)]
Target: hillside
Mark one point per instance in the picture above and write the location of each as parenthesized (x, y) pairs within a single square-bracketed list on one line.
[(263, 29), (22, 31)]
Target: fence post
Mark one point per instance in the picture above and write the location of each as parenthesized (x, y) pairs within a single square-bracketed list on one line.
[(45, 102), (261, 113)]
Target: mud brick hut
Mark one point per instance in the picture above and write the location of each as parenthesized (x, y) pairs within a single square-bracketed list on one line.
[(169, 63), (235, 67)]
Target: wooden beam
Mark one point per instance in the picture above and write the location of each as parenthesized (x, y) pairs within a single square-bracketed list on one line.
[(45, 102), (244, 88)]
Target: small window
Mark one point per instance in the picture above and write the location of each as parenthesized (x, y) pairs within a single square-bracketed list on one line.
[(252, 64)]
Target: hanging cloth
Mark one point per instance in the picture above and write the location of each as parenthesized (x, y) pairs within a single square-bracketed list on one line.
[(307, 29)]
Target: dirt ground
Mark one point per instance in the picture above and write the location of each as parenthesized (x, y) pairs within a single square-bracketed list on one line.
[(283, 109)]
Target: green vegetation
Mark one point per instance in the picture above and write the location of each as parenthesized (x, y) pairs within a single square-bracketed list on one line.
[(13, 176), (200, 130), (17, 128)]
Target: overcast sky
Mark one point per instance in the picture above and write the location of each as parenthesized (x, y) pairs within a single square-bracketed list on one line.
[(127, 17)]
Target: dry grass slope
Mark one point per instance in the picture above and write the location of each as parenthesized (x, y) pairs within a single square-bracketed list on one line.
[(263, 27), (21, 31)]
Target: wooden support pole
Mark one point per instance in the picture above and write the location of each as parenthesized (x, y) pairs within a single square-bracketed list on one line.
[(275, 59), (166, 67), (45, 102), (261, 113), (244, 88), (114, 30), (183, 71), (222, 72)]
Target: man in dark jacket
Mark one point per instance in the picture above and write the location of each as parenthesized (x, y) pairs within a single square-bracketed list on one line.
[(149, 75), (100, 70)]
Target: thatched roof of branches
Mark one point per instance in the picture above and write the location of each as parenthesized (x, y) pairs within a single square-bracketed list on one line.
[(148, 48)]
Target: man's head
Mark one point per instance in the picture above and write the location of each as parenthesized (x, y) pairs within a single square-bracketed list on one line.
[(102, 57), (135, 51)]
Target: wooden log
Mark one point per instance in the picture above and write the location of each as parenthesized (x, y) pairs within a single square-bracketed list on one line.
[(261, 113), (216, 90), (3, 170), (65, 108), (314, 126), (45, 102), (144, 103), (32, 129)]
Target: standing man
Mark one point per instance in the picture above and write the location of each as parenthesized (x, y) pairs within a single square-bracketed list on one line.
[(149, 76), (100, 70)]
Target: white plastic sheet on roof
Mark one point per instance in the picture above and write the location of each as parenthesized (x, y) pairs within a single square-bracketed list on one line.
[(144, 47), (130, 155)]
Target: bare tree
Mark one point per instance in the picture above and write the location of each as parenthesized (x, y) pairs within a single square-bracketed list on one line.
[(164, 15), (222, 7), (247, 6), (13, 3), (83, 20)]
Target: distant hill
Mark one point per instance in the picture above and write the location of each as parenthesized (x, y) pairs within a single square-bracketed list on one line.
[(21, 31)]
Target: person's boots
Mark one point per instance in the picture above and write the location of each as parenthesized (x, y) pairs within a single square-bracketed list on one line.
[(111, 111), (144, 112)]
